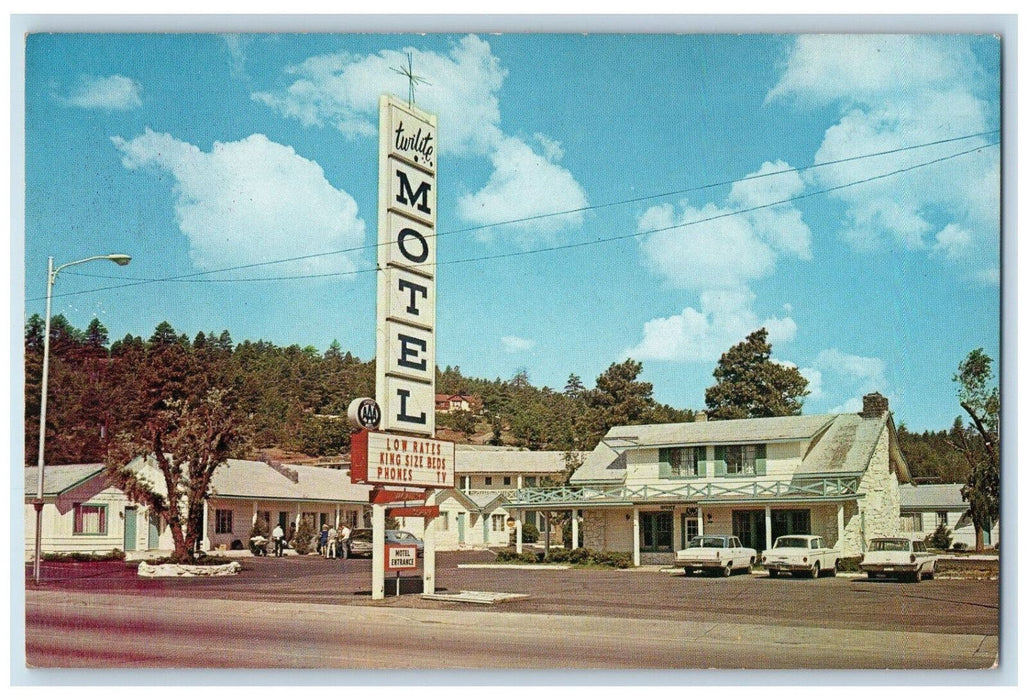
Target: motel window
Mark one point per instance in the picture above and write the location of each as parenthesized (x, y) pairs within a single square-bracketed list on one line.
[(90, 519), (489, 481), (529, 481), (506, 481), (499, 523), (740, 460), (443, 521), (679, 462), (911, 522), (940, 518), (222, 521)]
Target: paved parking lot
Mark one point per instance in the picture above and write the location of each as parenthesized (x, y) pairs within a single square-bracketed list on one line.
[(955, 606)]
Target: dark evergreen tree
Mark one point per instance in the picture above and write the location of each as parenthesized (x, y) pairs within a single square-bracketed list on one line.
[(750, 385)]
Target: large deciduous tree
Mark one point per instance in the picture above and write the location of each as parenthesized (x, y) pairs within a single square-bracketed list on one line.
[(187, 439), (751, 385), (979, 443)]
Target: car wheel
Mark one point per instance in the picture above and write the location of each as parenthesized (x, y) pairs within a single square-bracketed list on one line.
[(917, 576), (727, 571), (871, 575), (816, 570), (772, 573)]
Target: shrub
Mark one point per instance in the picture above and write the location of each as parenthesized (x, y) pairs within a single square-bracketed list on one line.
[(618, 560), (940, 539), (848, 564), (529, 533), (301, 542), (512, 556), (559, 555), (580, 555), (260, 528), (113, 555), (959, 546)]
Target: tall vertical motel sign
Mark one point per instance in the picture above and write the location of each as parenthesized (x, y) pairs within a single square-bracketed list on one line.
[(405, 452), (405, 343)]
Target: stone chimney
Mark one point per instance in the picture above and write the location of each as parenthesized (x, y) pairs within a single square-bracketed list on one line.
[(875, 405), (285, 471), (700, 417)]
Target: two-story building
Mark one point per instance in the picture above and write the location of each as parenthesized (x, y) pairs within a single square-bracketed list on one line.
[(475, 514), (647, 489)]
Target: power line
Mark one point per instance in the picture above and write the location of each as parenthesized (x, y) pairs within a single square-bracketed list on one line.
[(191, 277)]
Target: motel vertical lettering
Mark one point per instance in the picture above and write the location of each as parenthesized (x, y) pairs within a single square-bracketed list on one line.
[(405, 347)]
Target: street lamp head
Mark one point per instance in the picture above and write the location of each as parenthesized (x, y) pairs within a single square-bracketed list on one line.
[(120, 258)]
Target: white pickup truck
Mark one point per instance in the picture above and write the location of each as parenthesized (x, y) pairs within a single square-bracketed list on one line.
[(901, 557), (719, 553), (800, 555)]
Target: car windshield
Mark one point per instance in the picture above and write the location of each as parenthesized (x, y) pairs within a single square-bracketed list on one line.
[(708, 542), (892, 545), (800, 542), (400, 535)]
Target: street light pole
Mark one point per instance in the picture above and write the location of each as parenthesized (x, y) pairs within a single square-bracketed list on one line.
[(51, 277)]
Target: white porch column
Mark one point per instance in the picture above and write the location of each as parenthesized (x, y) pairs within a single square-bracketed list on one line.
[(337, 516), (636, 560), (767, 527), (253, 521), (842, 526), (574, 529), (519, 546), (520, 482), (378, 519), (699, 520), (428, 563), (205, 541)]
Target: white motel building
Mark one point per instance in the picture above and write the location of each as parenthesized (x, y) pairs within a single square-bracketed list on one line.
[(647, 489)]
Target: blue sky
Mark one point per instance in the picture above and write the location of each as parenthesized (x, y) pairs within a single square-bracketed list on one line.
[(197, 153)]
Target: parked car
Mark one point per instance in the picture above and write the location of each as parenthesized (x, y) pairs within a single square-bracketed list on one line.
[(359, 543), (800, 555), (718, 553), (404, 537), (901, 557)]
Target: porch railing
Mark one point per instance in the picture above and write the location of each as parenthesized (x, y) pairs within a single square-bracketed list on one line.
[(831, 488)]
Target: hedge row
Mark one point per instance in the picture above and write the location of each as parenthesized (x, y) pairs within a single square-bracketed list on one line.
[(581, 556)]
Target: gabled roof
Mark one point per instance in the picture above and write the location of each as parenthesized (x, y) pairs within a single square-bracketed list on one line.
[(932, 496), (60, 478), (245, 479), (723, 432), (838, 443), (508, 462), (481, 501)]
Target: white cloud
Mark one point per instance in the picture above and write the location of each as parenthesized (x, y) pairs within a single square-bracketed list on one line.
[(731, 246), (237, 45), (525, 184), (894, 91), (114, 92), (725, 318), (514, 344), (250, 201), (842, 379), (342, 90)]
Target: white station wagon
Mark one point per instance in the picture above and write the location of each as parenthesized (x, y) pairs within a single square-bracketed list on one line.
[(901, 557), (718, 553)]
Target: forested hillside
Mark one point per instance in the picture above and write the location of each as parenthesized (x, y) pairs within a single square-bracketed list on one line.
[(293, 398)]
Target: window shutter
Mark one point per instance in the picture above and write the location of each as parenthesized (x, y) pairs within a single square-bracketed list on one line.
[(761, 451), (719, 460), (664, 462)]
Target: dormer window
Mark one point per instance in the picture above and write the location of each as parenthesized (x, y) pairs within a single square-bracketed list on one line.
[(740, 460), (679, 462)]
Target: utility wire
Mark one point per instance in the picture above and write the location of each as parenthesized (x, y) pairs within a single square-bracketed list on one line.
[(565, 212), (190, 277)]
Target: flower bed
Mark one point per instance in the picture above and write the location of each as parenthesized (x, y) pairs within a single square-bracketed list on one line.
[(188, 570)]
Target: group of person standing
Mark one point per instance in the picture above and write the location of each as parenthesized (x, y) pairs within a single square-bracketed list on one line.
[(332, 542)]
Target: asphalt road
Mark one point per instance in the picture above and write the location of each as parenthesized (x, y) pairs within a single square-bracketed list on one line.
[(307, 612)]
